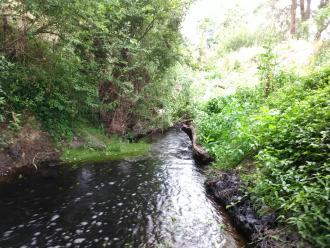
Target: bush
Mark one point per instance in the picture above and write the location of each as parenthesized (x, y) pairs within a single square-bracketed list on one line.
[(238, 40), (55, 94), (224, 127), (294, 164), (290, 133)]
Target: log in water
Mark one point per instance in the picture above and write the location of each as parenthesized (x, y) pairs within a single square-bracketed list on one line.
[(158, 200)]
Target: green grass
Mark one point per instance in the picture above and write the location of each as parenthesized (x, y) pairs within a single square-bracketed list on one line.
[(98, 147), (77, 156)]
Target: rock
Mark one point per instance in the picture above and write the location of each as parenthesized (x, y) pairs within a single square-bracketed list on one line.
[(259, 230), (15, 152)]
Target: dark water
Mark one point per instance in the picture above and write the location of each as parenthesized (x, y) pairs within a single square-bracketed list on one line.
[(158, 200)]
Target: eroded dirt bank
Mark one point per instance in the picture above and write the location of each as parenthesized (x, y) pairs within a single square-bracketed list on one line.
[(30, 151), (26, 153), (262, 231)]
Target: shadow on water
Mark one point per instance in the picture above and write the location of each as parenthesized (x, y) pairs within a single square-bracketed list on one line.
[(158, 200)]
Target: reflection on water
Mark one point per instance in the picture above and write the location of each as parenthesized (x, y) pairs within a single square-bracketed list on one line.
[(155, 201)]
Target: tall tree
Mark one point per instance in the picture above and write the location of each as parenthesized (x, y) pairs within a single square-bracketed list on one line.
[(308, 9), (305, 10), (302, 10), (293, 22)]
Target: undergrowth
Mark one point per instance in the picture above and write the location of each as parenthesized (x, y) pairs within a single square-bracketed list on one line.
[(288, 133)]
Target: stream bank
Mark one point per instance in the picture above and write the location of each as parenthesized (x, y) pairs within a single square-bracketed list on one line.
[(262, 231), (231, 192), (30, 151), (26, 151)]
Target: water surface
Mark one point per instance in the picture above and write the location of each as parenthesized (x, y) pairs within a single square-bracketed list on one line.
[(158, 200)]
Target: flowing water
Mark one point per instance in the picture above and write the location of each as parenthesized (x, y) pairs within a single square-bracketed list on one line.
[(158, 200)]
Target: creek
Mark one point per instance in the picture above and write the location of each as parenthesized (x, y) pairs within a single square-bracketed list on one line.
[(158, 200)]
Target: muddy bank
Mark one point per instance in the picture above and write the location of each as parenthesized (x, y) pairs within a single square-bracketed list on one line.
[(261, 231), (26, 152), (227, 191), (31, 151)]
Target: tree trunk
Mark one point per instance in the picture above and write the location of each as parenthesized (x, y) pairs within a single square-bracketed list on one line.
[(302, 10), (293, 23), (323, 26), (323, 3), (308, 10), (320, 31)]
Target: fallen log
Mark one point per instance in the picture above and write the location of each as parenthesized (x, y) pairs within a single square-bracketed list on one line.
[(200, 155)]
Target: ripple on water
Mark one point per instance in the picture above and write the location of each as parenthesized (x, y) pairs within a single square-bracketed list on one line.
[(155, 201)]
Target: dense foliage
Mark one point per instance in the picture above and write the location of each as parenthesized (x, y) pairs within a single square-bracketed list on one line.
[(172, 97), (121, 63), (63, 60), (294, 163), (289, 133), (225, 127)]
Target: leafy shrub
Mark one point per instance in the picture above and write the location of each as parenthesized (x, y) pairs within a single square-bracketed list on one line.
[(238, 40), (294, 164), (224, 127), (289, 132), (56, 95), (267, 69)]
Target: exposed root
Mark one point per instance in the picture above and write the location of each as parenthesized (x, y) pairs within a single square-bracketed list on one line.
[(44, 157)]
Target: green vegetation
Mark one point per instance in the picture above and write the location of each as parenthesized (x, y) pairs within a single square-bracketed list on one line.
[(90, 66), (115, 150), (288, 132), (224, 127), (257, 91), (266, 98), (93, 145), (112, 63), (293, 172)]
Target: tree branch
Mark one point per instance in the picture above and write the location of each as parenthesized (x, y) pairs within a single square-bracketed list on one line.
[(150, 26)]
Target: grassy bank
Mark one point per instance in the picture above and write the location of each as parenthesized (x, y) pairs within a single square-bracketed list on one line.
[(287, 133), (93, 145), (115, 151)]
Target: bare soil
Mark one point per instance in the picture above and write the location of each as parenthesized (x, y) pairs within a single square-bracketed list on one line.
[(26, 152)]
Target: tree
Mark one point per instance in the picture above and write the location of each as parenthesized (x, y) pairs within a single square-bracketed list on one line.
[(293, 22), (308, 9), (305, 12), (98, 60), (302, 10), (322, 18)]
